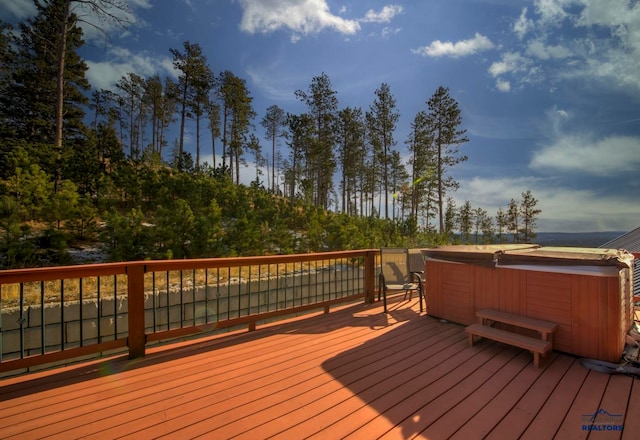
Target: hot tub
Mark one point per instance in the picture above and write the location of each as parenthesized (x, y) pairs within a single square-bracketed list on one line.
[(587, 292)]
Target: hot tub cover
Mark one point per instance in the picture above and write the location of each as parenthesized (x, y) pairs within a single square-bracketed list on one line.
[(483, 255), (567, 256), (530, 255)]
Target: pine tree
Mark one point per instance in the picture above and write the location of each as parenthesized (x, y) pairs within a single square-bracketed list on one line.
[(273, 122), (513, 218), (237, 116), (323, 105), (423, 161), (133, 91), (301, 135), (213, 114), (203, 82), (443, 121), (502, 223), (530, 215), (381, 123), (450, 219), (350, 141), (47, 87), (465, 221), (398, 177), (191, 63)]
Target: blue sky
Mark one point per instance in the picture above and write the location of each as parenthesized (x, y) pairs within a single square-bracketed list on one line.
[(549, 89)]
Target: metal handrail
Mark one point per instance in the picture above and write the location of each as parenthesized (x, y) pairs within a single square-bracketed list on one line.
[(135, 298)]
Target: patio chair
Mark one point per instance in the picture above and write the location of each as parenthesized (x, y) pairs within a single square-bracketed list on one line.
[(396, 274)]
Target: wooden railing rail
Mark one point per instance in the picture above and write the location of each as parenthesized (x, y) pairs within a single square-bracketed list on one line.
[(120, 305)]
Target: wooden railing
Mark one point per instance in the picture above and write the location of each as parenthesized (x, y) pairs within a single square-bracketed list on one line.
[(51, 315)]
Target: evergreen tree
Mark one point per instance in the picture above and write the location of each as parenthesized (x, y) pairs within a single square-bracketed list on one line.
[(423, 161), (381, 123), (238, 114), (350, 141), (450, 219), (191, 63), (488, 229), (465, 222), (443, 122), (301, 135), (213, 114), (133, 90), (48, 76), (481, 224), (513, 218), (6, 57), (101, 9), (274, 122), (322, 103), (502, 223), (397, 178), (154, 99), (255, 148), (203, 82), (167, 112), (530, 215)]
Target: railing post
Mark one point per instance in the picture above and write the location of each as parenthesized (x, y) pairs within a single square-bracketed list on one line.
[(370, 276), (135, 283)]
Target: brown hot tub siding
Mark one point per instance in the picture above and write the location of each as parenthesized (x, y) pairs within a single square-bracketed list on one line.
[(593, 312)]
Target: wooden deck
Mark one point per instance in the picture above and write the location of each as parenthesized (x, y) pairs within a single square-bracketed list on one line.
[(354, 373)]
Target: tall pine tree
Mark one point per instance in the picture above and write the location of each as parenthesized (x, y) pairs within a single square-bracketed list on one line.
[(443, 121)]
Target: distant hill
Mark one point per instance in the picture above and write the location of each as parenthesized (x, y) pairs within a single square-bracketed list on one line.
[(576, 239)]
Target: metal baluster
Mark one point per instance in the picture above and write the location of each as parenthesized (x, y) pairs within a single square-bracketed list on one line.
[(181, 302), (81, 315), (153, 299), (239, 291), (62, 315), (99, 319), (42, 323), (194, 296), (168, 308), (115, 307), (21, 321), (259, 287), (249, 293), (206, 296)]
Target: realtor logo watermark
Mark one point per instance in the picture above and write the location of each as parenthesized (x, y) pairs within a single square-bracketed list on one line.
[(602, 420)]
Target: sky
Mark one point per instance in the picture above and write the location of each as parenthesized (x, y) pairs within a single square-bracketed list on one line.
[(549, 90)]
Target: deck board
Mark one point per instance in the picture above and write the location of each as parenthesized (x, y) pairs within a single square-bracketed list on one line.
[(354, 373)]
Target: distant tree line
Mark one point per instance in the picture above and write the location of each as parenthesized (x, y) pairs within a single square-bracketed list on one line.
[(80, 164)]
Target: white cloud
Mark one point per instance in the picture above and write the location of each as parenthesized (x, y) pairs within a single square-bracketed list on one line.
[(461, 48), (604, 44), (609, 156), (512, 62), (608, 13), (503, 85), (541, 51), (493, 193), (552, 12), (303, 17), (120, 61), (384, 16), (523, 25), (387, 31)]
